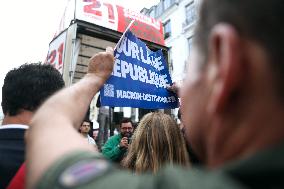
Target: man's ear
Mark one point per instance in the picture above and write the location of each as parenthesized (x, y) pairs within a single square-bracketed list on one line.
[(225, 66)]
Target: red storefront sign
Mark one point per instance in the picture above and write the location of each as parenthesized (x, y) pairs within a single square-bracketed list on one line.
[(117, 18)]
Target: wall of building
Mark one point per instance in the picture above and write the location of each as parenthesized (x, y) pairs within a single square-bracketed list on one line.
[(1, 116), (182, 29)]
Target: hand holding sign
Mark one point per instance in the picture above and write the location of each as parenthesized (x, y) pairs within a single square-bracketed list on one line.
[(175, 87)]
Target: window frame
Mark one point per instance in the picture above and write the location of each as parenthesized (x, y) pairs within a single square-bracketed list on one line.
[(169, 33), (190, 13)]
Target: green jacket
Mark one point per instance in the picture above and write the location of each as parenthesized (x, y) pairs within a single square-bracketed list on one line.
[(111, 149), (81, 170)]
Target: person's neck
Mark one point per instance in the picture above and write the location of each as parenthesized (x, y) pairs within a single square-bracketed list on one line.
[(258, 128), (84, 134), (23, 118)]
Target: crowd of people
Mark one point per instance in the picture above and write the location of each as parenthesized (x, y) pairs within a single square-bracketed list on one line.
[(19, 105), (231, 111)]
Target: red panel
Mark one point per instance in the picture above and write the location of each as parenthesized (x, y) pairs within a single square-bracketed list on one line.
[(144, 28)]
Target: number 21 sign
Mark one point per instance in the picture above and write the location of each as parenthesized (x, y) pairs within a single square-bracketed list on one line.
[(56, 51)]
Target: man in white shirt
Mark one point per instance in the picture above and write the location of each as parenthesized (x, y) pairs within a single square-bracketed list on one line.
[(84, 130)]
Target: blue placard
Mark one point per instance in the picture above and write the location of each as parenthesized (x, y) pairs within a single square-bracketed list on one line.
[(139, 78)]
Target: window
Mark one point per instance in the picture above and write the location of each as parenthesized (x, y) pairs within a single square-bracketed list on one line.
[(152, 13), (167, 29), (190, 13), (159, 9), (189, 42), (163, 5), (167, 4), (170, 61)]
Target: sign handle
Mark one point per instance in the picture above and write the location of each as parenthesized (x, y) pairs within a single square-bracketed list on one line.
[(128, 27)]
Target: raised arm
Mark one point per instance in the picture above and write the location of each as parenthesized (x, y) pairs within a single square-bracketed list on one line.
[(58, 118)]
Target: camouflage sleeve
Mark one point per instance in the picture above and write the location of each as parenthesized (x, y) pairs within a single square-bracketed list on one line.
[(81, 170), (90, 170)]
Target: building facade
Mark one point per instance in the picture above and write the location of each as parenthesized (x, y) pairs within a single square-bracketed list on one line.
[(178, 18)]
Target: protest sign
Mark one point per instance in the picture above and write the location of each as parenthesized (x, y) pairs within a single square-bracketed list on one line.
[(139, 78)]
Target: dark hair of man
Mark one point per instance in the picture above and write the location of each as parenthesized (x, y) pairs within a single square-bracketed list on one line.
[(86, 120), (26, 87), (126, 120), (257, 20)]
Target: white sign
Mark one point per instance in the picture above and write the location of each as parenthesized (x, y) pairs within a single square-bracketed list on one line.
[(98, 12), (56, 51)]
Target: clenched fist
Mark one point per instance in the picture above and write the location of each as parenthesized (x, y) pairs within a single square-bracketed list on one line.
[(101, 64)]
